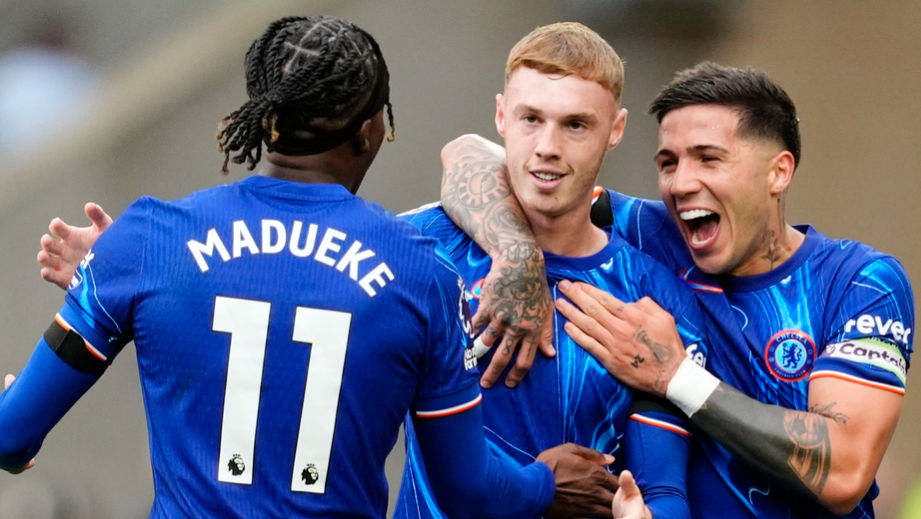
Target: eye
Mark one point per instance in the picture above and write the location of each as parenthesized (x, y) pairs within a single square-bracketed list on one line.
[(530, 118), (577, 125), (709, 158), (664, 165)]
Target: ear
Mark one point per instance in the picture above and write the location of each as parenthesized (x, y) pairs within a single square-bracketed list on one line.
[(781, 174), (617, 131), (500, 114), (362, 139)]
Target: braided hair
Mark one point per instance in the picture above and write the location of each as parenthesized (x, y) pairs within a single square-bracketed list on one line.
[(312, 82)]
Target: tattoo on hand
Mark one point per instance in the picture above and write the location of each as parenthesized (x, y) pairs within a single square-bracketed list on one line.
[(811, 456), (659, 351), (637, 360)]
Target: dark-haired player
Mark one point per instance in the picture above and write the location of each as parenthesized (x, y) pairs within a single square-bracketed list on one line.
[(284, 326), (813, 335)]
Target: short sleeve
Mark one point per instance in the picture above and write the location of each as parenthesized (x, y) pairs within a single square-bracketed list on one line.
[(449, 375), (100, 299), (872, 328)]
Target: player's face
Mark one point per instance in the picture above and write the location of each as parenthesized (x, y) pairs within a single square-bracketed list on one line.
[(557, 130), (722, 190)]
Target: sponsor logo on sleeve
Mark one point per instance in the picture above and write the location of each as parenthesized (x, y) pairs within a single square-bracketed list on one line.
[(463, 308), (790, 354), (81, 268), (872, 325), (870, 351)]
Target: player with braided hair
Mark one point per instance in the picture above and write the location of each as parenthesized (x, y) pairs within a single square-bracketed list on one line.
[(284, 326), (292, 104)]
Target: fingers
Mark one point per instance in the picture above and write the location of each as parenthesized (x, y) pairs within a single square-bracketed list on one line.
[(50, 244), (60, 228), (588, 326), (497, 364), (589, 454), (545, 338), (8, 381), (97, 215), (526, 352), (482, 318), (628, 485), (596, 302), (49, 259)]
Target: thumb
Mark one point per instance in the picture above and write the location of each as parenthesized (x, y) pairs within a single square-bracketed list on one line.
[(592, 455), (628, 484), (97, 215)]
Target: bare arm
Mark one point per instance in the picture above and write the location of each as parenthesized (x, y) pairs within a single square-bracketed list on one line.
[(515, 304), (829, 453)]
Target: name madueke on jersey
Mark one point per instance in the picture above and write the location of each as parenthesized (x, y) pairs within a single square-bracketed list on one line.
[(275, 238)]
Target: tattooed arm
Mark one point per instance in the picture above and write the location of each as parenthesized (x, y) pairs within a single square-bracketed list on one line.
[(829, 453), (515, 303)]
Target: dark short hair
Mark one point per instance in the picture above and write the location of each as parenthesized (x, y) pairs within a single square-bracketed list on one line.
[(765, 109), (311, 81)]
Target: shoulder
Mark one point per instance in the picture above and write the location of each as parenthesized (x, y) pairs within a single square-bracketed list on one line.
[(851, 261)]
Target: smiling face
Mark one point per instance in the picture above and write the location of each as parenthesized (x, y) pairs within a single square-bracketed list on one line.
[(557, 130), (724, 191)]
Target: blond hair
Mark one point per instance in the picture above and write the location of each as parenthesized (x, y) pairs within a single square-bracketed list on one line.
[(569, 48)]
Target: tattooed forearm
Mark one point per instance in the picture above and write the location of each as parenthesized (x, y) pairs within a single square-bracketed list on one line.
[(810, 458), (792, 446), (476, 196)]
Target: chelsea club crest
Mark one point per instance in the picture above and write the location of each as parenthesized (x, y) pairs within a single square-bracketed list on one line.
[(790, 355)]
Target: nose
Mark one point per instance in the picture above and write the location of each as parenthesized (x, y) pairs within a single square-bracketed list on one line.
[(684, 179), (547, 146)]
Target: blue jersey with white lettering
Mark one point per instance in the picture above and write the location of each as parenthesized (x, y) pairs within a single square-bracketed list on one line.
[(836, 308), (283, 330), (570, 397)]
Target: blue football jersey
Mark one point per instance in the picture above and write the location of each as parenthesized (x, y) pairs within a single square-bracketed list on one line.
[(836, 308), (569, 397), (283, 331)]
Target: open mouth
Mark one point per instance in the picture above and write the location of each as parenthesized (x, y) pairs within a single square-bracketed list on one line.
[(545, 176), (702, 226)]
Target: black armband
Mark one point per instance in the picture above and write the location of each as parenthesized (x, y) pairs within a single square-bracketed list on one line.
[(73, 349)]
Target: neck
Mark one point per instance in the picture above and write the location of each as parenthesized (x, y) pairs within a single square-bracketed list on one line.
[(567, 235), (777, 247), (331, 167)]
